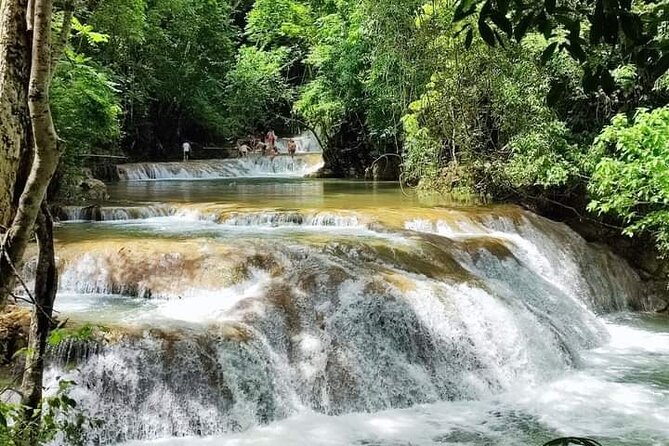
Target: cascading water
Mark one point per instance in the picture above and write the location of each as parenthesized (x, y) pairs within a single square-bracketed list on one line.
[(306, 142), (242, 318), (250, 167), (112, 213)]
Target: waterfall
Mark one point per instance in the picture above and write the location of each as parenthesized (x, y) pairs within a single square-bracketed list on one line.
[(258, 328), (276, 219), (253, 166), (113, 213), (306, 143)]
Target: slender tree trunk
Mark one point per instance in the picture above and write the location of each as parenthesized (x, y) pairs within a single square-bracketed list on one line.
[(33, 209), (15, 144), (46, 155), (46, 284)]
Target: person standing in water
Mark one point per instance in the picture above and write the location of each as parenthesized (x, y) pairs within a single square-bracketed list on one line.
[(243, 149), (270, 143), (186, 149), (292, 147)]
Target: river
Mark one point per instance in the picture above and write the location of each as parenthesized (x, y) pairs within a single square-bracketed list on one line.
[(246, 305)]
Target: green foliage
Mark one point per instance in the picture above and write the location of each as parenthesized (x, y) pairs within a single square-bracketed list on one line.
[(279, 22), (122, 20), (85, 105), (541, 156), (256, 89), (86, 332), (58, 418), (338, 60), (582, 27), (86, 108), (631, 180), (171, 58), (319, 104), (86, 32), (626, 77), (485, 111), (367, 63), (189, 46)]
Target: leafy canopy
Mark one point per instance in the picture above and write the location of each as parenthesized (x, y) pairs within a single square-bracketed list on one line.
[(631, 181)]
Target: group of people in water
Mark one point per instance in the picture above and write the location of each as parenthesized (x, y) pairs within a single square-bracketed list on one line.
[(253, 145), (264, 146)]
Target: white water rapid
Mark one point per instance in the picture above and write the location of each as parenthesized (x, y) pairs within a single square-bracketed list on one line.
[(254, 166), (357, 316)]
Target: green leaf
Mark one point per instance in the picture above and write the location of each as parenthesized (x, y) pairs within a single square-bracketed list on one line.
[(502, 23), (56, 337), (468, 38), (486, 33), (523, 26), (576, 51), (544, 25), (69, 401), (464, 9), (499, 38), (548, 53), (571, 24)]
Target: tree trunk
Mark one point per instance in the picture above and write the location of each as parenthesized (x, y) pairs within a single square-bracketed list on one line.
[(46, 154), (44, 166), (46, 284), (15, 144)]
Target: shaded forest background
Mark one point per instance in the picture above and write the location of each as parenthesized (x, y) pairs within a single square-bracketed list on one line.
[(558, 105)]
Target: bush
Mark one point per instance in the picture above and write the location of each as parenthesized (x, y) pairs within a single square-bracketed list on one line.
[(631, 180)]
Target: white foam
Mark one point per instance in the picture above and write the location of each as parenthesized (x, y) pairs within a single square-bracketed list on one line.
[(118, 213), (251, 167), (583, 403)]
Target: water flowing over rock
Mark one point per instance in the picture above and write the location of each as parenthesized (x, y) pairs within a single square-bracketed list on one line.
[(251, 167), (111, 213), (249, 316)]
